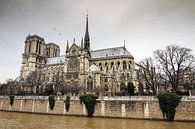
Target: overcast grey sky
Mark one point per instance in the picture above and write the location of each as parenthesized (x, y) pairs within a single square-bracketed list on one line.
[(146, 25)]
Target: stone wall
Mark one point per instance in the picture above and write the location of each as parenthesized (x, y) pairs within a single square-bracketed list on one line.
[(141, 107)]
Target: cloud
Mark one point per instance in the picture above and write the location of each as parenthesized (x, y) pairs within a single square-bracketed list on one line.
[(146, 25)]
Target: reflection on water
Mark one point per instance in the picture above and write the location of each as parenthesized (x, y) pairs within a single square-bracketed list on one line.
[(11, 120)]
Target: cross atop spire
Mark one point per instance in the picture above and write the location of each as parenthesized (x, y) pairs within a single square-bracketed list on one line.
[(87, 38)]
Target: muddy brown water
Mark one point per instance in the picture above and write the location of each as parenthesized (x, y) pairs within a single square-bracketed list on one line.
[(12, 120)]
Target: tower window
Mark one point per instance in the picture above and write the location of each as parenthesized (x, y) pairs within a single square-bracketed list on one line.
[(39, 48), (29, 47)]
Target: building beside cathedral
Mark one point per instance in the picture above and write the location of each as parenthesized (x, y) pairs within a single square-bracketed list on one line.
[(109, 68)]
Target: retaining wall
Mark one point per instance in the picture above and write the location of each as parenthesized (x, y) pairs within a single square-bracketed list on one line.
[(141, 107)]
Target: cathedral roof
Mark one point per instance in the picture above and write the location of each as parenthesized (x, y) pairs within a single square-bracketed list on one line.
[(56, 60), (110, 52)]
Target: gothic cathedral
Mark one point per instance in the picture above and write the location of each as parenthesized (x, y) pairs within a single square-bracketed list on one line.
[(111, 68)]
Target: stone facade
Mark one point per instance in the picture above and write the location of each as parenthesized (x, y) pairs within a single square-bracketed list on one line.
[(110, 69)]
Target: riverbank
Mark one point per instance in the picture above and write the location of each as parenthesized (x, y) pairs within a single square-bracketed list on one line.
[(134, 107)]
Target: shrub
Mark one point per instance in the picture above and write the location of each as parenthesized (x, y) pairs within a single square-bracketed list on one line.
[(11, 99), (67, 103), (89, 101), (51, 102), (168, 102)]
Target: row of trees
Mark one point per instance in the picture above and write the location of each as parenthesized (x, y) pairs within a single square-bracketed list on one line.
[(171, 68), (24, 88), (34, 85)]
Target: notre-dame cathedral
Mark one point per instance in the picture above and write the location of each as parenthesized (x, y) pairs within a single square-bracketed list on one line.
[(110, 68)]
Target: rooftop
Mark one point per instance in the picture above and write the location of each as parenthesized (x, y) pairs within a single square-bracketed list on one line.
[(109, 52), (56, 60), (101, 53)]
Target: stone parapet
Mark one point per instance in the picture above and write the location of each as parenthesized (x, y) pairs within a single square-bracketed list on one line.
[(139, 107)]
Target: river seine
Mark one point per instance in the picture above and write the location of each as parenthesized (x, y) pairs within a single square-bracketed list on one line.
[(11, 120)]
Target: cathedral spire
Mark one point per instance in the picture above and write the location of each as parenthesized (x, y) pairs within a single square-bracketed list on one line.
[(86, 38), (67, 47), (82, 43)]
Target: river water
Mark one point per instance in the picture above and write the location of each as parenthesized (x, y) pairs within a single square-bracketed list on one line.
[(11, 120)]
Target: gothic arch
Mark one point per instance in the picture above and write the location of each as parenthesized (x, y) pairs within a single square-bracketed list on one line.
[(122, 87), (89, 83), (124, 65)]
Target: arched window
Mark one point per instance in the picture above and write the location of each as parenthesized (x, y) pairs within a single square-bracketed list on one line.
[(124, 65), (47, 52), (107, 69), (129, 66), (118, 64), (106, 66), (112, 64), (29, 48), (89, 83), (40, 48), (37, 45), (122, 87)]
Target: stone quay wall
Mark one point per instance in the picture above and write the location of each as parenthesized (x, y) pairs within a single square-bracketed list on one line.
[(138, 107)]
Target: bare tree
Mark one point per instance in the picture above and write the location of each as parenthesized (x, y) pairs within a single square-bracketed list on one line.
[(62, 88), (34, 81), (147, 73), (58, 81), (11, 86), (171, 61)]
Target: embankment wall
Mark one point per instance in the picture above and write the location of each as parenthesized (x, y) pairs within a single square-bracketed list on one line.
[(139, 107)]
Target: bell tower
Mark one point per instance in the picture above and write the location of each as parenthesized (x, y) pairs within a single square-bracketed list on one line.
[(33, 56)]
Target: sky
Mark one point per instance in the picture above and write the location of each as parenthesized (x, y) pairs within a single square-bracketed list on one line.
[(145, 25)]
